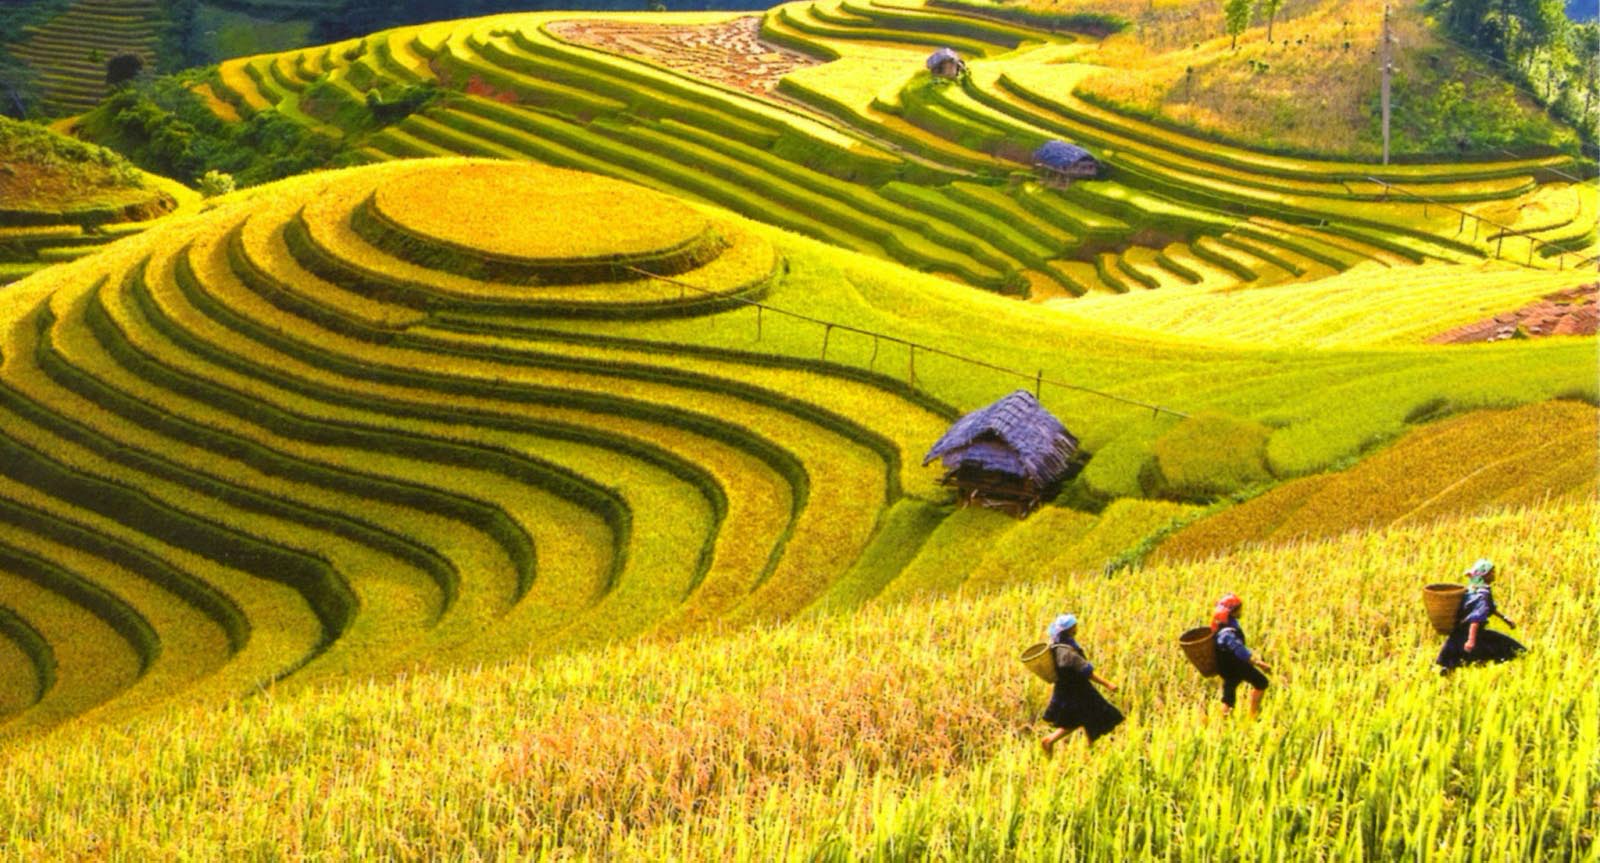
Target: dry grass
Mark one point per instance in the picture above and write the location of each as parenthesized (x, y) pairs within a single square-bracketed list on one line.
[(907, 731), (1455, 467), (1312, 88)]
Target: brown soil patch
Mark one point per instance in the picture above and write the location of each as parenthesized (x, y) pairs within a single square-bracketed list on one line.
[(1564, 313), (731, 54)]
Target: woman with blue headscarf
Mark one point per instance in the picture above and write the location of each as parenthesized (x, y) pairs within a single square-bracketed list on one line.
[(1075, 703), (1473, 641)]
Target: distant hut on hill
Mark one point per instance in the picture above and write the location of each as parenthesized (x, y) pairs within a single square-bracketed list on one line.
[(1009, 455), (946, 63), (1062, 162)]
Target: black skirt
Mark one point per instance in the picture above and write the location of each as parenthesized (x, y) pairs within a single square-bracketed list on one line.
[(1076, 703), (1492, 646)]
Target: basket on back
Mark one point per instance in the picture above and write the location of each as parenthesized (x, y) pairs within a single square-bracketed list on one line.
[(1199, 644), (1443, 602), (1041, 660)]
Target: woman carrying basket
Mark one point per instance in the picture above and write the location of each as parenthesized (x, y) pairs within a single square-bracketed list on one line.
[(1235, 662), (1075, 703), (1473, 641)]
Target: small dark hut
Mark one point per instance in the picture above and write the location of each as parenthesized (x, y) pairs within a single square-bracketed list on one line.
[(946, 63), (1062, 162), (1009, 455)]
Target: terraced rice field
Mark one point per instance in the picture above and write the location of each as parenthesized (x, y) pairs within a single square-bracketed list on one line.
[(34, 238), (365, 420), (1461, 466), (69, 52), (908, 731), (860, 148), (262, 438), (533, 497)]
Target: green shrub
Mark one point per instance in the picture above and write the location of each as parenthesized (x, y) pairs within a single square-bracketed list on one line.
[(214, 183), (166, 129), (1207, 455)]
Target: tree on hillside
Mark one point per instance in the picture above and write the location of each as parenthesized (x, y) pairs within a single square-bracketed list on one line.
[(1237, 13), (1271, 7), (1585, 53), (123, 68)]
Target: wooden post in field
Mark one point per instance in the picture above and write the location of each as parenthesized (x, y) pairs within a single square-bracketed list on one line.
[(758, 323), (1387, 68), (911, 368), (826, 332)]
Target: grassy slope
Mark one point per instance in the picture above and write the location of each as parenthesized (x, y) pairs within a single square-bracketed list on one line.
[(1326, 406), (1317, 90), (68, 198), (51, 172), (1365, 306), (791, 746)]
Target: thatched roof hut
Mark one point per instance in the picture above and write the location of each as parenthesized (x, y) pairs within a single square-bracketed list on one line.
[(1008, 455), (946, 63), (1059, 160)]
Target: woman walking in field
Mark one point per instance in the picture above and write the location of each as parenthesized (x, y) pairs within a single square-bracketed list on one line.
[(1235, 662), (1473, 641), (1075, 703)]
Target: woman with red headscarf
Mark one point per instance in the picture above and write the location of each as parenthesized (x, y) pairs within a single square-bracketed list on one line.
[(1235, 662)]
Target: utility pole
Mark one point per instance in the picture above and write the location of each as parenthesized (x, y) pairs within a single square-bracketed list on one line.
[(1388, 67)]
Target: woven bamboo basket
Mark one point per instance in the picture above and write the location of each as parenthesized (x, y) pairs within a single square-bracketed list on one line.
[(1443, 602), (1041, 661), (1199, 644)]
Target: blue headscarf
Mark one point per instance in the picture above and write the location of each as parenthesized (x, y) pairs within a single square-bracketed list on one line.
[(1060, 625), (1478, 572)]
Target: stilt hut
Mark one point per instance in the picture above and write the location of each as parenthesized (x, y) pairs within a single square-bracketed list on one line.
[(946, 63), (1061, 163), (1009, 455)]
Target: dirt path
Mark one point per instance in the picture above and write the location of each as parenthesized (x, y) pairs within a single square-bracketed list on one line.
[(1563, 313), (731, 54)]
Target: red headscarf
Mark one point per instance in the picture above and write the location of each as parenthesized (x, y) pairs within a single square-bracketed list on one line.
[(1226, 606)]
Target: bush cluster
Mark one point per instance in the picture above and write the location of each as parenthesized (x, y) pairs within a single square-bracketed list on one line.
[(24, 143), (165, 128)]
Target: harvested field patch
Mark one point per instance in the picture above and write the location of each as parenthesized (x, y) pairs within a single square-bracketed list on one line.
[(1456, 467), (1564, 313), (732, 54)]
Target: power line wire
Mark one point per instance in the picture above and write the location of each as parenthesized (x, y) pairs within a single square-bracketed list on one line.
[(1038, 378)]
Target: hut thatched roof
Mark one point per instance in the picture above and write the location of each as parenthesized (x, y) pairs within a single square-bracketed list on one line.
[(1060, 154), (943, 55), (1015, 435)]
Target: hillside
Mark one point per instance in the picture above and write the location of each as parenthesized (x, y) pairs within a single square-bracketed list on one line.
[(906, 731), (1313, 87), (68, 52), (60, 198), (860, 148), (530, 459), (359, 421)]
